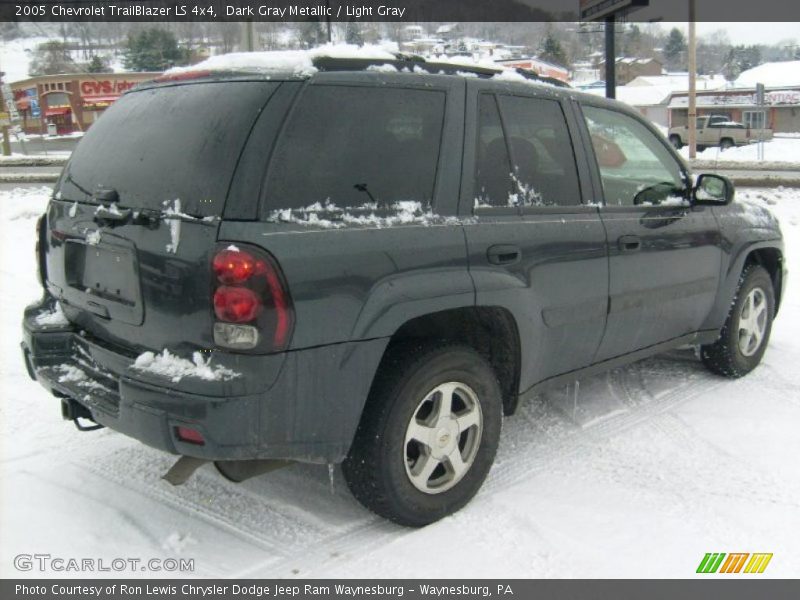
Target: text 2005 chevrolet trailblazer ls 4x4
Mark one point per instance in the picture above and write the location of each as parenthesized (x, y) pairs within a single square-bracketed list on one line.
[(371, 263)]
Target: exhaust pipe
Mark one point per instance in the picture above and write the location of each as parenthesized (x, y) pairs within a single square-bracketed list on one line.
[(238, 471)]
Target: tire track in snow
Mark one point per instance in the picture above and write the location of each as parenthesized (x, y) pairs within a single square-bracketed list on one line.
[(127, 469), (526, 462)]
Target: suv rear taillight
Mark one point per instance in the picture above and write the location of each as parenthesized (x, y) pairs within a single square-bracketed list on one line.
[(251, 301)]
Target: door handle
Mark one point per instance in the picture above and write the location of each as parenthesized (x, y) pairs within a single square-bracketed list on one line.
[(504, 254), (629, 243)]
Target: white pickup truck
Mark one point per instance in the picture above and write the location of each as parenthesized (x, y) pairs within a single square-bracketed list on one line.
[(718, 130)]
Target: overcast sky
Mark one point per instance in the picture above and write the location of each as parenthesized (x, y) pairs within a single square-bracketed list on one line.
[(749, 33)]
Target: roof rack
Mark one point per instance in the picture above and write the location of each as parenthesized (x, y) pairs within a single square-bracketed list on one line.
[(414, 62)]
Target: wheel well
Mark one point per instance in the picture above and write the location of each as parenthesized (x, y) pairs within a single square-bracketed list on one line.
[(491, 331), (728, 139), (772, 260)]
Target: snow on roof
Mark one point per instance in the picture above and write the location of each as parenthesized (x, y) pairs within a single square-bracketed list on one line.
[(774, 75), (446, 28), (679, 82), (299, 62)]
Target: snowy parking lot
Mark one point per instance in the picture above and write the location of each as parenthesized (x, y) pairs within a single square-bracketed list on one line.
[(635, 473)]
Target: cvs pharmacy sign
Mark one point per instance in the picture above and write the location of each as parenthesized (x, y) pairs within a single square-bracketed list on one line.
[(105, 87)]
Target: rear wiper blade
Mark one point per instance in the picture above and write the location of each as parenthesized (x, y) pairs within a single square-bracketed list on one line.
[(68, 177)]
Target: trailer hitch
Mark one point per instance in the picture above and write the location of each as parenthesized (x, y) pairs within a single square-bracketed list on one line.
[(74, 411)]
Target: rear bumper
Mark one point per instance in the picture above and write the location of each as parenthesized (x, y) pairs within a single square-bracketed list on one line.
[(301, 405)]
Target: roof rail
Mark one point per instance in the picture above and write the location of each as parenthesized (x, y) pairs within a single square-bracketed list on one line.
[(414, 62)]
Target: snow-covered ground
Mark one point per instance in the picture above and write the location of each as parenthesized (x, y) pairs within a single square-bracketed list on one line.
[(779, 149), (650, 468)]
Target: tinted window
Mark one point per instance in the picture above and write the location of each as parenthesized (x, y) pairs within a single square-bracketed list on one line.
[(162, 144), (355, 145), (541, 150), (635, 166), (493, 186)]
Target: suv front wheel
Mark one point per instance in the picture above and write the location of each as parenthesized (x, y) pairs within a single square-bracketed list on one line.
[(428, 435), (744, 337)]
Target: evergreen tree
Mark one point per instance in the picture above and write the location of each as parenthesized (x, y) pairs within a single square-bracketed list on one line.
[(153, 50), (552, 50), (353, 35), (741, 58), (97, 65), (676, 44), (312, 33), (632, 41)]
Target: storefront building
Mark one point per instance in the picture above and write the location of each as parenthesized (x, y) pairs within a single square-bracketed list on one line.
[(71, 102), (781, 110)]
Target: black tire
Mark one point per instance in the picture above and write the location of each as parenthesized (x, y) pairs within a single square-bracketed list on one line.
[(376, 467), (726, 143), (725, 356), (676, 142)]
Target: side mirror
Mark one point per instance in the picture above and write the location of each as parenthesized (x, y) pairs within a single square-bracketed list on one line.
[(713, 190)]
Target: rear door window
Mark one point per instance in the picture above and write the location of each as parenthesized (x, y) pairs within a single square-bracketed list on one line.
[(493, 183), (357, 147), (545, 171)]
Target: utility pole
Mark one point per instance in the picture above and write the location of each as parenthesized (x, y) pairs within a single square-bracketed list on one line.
[(611, 57), (692, 81), (328, 20), (249, 36)]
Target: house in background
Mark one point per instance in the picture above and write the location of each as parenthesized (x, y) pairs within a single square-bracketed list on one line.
[(629, 68)]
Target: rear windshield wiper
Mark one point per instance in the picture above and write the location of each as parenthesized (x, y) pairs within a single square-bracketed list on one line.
[(68, 177)]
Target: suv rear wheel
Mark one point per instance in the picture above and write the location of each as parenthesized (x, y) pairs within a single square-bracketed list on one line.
[(746, 332), (676, 142), (428, 435)]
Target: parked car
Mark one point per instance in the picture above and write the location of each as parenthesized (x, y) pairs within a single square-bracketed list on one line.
[(718, 130), (371, 263)]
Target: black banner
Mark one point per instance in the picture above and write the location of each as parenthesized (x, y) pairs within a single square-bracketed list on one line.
[(395, 10)]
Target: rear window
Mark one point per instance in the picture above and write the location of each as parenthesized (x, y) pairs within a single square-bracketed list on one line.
[(161, 144), (351, 146)]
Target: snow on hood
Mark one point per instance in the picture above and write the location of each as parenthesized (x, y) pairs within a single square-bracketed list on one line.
[(299, 62)]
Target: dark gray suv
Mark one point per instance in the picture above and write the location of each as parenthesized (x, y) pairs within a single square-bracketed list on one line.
[(371, 262)]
